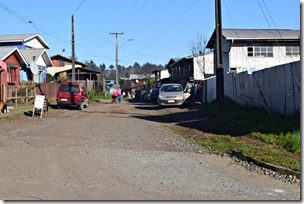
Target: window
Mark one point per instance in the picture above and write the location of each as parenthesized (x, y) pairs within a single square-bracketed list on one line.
[(250, 51), (292, 50), (265, 50), (61, 63)]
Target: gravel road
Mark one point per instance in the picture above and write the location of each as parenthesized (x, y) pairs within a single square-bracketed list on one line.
[(111, 152)]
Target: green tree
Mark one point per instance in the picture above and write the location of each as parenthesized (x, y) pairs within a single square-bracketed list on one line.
[(111, 67), (92, 65)]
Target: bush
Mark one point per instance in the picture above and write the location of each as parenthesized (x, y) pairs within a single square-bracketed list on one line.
[(291, 141)]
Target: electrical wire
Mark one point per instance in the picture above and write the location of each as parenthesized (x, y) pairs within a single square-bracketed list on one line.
[(79, 7)]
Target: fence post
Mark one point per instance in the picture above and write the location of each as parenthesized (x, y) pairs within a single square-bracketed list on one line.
[(26, 95), (16, 95)]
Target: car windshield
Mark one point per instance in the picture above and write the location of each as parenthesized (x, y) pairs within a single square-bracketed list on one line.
[(154, 90), (171, 88), (69, 88)]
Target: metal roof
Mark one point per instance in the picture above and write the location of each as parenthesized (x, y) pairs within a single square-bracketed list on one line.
[(29, 53), (58, 56), (256, 34), (6, 51), (13, 38)]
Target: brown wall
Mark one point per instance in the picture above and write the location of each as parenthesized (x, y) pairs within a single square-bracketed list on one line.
[(11, 59), (48, 89)]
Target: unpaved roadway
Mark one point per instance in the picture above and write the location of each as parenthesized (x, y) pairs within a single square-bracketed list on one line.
[(116, 152)]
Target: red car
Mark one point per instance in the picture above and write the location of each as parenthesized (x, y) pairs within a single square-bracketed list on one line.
[(72, 94)]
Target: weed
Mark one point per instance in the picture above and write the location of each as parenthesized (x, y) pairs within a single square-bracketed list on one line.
[(250, 131)]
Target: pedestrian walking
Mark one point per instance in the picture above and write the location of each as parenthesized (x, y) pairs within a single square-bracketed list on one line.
[(119, 95), (114, 96)]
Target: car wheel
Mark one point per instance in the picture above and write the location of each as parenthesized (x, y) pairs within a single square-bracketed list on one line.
[(86, 105)]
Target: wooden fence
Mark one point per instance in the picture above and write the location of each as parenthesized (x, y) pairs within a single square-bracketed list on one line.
[(18, 96), (273, 89)]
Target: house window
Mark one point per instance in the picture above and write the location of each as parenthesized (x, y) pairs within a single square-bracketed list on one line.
[(292, 50), (250, 51), (265, 50), (61, 63)]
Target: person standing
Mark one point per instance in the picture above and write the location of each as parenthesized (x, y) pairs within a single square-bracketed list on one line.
[(114, 96), (119, 95)]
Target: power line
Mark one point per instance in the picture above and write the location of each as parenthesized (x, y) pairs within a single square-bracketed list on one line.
[(126, 17), (79, 6)]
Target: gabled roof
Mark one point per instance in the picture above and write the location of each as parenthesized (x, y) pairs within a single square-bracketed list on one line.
[(256, 35), (54, 70), (58, 56), (172, 61), (6, 51), (21, 38), (29, 53)]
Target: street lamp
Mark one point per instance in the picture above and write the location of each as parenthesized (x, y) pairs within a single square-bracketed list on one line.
[(31, 22), (116, 60), (117, 78), (125, 42)]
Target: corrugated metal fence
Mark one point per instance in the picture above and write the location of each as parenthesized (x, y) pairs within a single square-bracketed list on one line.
[(273, 89)]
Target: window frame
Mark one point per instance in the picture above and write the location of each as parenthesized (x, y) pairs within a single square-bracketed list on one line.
[(260, 50)]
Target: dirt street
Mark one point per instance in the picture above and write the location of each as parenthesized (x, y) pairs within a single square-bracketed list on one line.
[(119, 152)]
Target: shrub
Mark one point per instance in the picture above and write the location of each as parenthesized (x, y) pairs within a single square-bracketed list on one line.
[(291, 141)]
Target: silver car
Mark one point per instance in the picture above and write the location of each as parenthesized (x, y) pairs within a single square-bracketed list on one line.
[(170, 95)]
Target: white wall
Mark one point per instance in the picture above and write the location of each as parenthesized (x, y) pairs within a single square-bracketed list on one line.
[(203, 64), (238, 58), (34, 43)]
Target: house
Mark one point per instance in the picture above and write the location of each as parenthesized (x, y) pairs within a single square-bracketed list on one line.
[(161, 76), (191, 68), (33, 48), (42, 60), (137, 81), (63, 68), (255, 49), (10, 61), (23, 41)]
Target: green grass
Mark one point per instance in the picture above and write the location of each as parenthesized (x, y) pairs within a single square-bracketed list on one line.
[(98, 95), (250, 131)]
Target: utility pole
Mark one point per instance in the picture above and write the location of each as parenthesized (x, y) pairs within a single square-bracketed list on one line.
[(73, 51), (219, 56), (116, 59)]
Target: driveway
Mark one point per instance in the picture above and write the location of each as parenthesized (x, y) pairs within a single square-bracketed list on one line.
[(112, 152)]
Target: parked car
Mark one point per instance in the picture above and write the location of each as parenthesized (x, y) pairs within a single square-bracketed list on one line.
[(153, 95), (171, 94), (72, 94)]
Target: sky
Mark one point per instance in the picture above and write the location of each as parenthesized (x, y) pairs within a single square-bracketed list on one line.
[(154, 31)]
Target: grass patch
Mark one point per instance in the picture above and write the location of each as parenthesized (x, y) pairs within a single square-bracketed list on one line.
[(98, 95), (250, 131)]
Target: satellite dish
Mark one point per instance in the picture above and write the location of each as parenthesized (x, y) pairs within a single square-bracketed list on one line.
[(34, 68)]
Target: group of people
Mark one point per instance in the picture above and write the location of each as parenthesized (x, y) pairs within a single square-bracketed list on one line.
[(116, 95)]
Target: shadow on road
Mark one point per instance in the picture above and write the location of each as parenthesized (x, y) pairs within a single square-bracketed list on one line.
[(233, 121)]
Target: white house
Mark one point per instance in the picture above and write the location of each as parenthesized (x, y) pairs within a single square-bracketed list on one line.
[(255, 49)]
